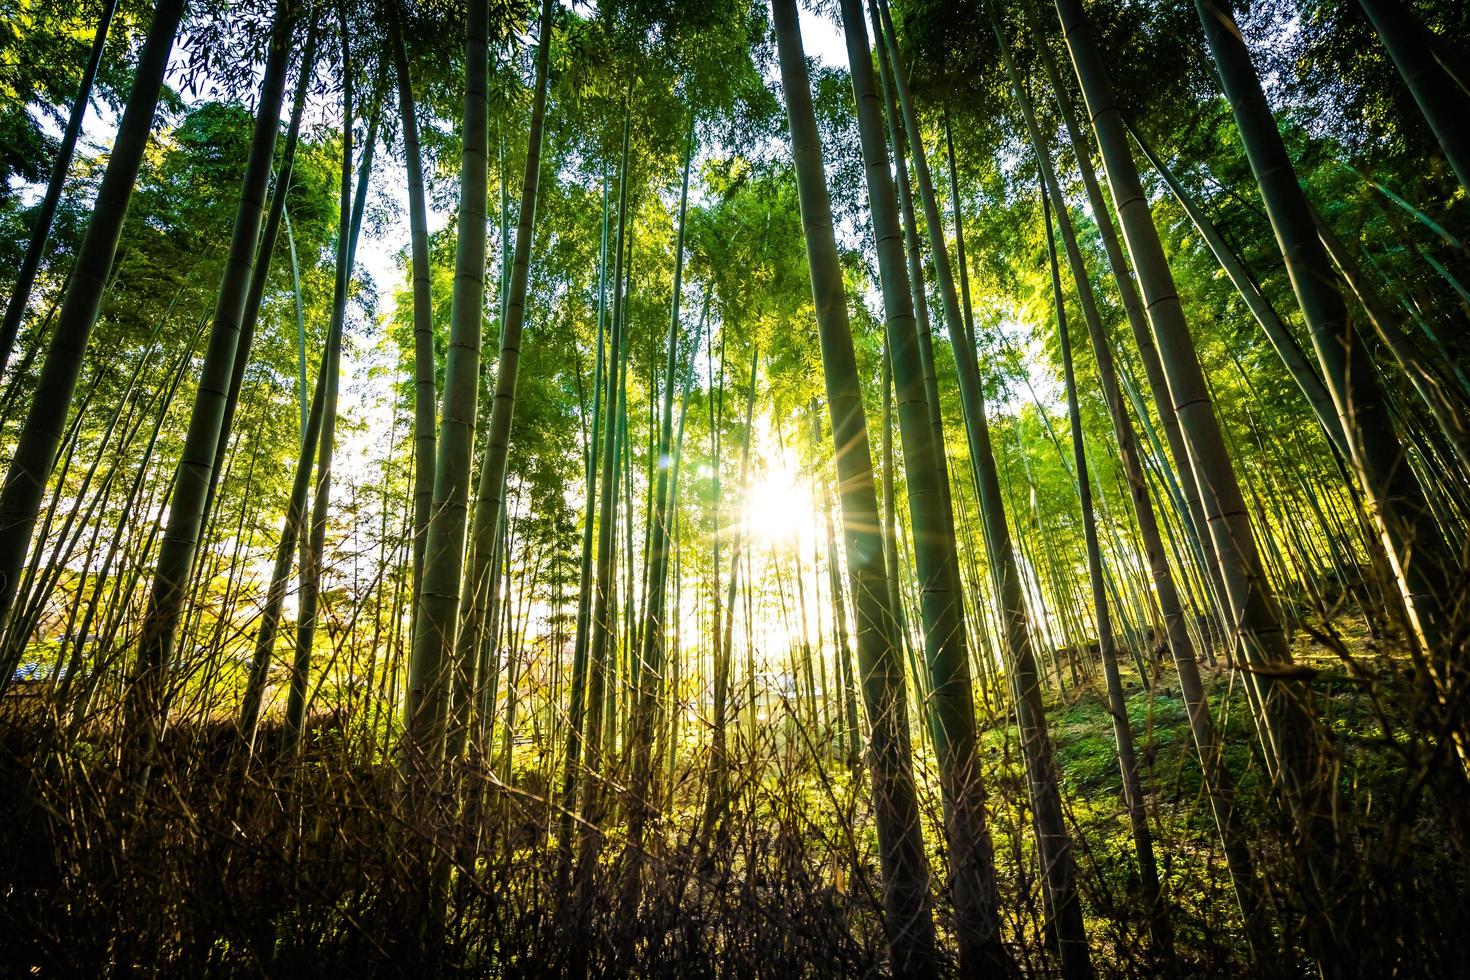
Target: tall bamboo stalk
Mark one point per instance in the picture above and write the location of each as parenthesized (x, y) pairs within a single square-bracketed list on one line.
[(474, 600), (901, 851), (30, 264), (425, 709), (952, 692), (655, 627), (1182, 644), (600, 653), (195, 474), (1445, 105), (1276, 331), (725, 642), (1143, 844), (424, 395), (577, 699), (1287, 722), (314, 543), (35, 449), (1421, 560), (1181, 475), (260, 274)]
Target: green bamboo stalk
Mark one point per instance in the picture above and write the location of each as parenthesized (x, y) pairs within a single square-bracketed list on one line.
[(1287, 718), (197, 464), (942, 605), (426, 706), (30, 264), (1157, 911), (654, 639), (1417, 549), (1181, 476), (1218, 784), (1276, 331), (1445, 106), (473, 600), (35, 449), (901, 850), (577, 706), (425, 397), (314, 544)]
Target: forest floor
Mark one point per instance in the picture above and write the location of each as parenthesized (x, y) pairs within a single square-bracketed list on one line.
[(316, 866)]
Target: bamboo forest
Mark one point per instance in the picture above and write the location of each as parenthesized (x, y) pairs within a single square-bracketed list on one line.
[(735, 488)]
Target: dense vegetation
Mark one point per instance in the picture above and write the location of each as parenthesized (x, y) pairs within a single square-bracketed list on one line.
[(507, 488)]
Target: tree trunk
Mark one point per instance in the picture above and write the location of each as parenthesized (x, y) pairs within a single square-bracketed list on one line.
[(901, 851), (725, 641), (1287, 719), (35, 449), (852, 740), (890, 547), (473, 596), (426, 705), (275, 596), (424, 396), (1422, 560), (15, 307)]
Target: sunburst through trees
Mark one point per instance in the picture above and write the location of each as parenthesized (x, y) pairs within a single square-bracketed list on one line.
[(645, 487)]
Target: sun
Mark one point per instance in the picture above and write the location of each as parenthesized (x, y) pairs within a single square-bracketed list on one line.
[(777, 509)]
